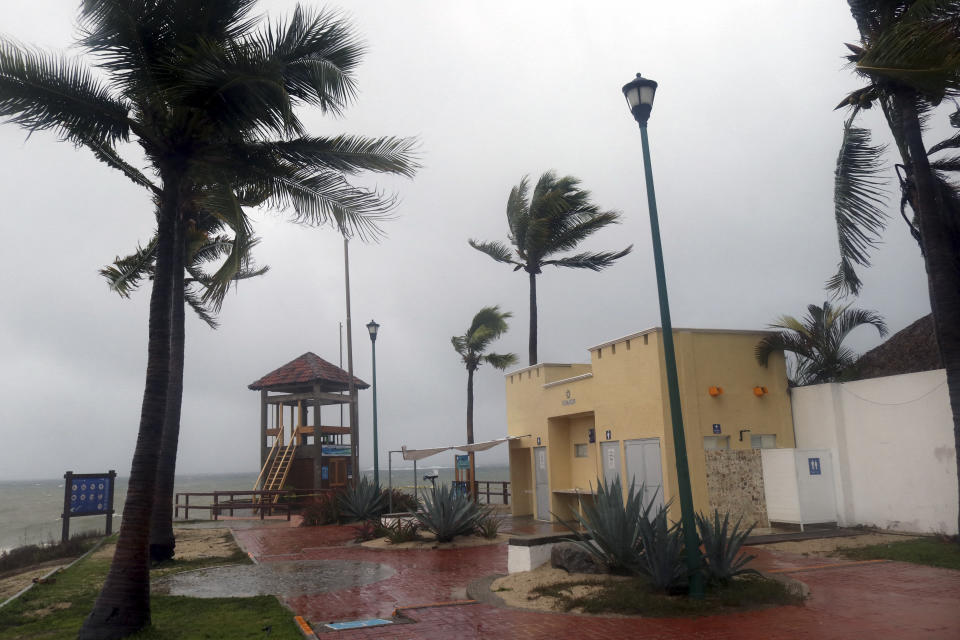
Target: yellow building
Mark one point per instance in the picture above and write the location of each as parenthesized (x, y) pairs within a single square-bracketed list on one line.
[(612, 417)]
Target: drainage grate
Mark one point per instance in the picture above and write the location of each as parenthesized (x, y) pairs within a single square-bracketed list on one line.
[(357, 624)]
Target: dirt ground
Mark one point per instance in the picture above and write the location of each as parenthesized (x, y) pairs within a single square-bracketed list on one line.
[(429, 542), (826, 546), (516, 589), (192, 544)]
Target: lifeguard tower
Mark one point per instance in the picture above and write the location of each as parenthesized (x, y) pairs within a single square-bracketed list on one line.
[(297, 451)]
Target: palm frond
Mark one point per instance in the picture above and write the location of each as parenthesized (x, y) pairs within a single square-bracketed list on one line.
[(595, 261), (199, 307), (125, 274), (500, 360), (496, 250), (858, 197), (41, 91), (348, 154)]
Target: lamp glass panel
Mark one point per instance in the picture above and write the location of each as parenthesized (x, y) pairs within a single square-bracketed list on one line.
[(633, 97), (646, 94)]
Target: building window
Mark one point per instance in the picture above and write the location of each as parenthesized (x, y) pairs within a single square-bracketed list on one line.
[(579, 451), (712, 443), (764, 441), (613, 349)]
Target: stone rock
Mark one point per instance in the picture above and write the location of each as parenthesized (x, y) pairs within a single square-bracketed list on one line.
[(574, 559)]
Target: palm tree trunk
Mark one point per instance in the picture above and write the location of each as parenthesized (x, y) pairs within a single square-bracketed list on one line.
[(162, 542), (533, 319), (123, 605), (941, 255), (470, 473)]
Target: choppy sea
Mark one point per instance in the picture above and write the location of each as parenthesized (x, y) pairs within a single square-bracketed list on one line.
[(30, 509)]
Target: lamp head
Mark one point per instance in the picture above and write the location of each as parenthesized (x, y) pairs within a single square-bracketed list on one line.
[(639, 93), (373, 327)]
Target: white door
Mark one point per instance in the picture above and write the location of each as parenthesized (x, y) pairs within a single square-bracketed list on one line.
[(610, 455), (644, 469), (543, 484)]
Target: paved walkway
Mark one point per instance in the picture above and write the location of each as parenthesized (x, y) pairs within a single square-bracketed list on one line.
[(873, 600)]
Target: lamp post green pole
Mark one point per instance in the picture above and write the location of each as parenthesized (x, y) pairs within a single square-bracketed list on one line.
[(639, 95), (373, 327)]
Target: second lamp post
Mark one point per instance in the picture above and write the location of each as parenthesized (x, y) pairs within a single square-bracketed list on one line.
[(373, 327), (639, 94)]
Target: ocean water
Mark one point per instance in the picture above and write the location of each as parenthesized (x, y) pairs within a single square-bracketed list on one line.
[(30, 509)]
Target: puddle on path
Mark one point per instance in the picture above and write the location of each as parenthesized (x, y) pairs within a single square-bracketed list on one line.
[(273, 578)]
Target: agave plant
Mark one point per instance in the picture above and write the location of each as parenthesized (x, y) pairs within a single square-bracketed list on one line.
[(613, 526), (362, 500), (722, 545), (662, 556), (447, 514)]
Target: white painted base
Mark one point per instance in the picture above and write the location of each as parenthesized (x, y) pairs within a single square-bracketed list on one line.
[(527, 558)]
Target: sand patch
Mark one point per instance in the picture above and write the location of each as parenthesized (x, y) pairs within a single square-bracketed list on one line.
[(826, 546), (192, 544), (429, 542), (13, 584), (45, 611), (516, 589)]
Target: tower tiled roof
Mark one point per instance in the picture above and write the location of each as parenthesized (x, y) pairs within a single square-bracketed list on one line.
[(306, 369)]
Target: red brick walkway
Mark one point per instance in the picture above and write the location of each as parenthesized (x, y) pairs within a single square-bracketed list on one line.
[(849, 600)]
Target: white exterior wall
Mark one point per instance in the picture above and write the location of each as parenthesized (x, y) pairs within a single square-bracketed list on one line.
[(893, 448)]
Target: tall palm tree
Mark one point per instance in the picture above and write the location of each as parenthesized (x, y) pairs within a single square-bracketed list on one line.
[(909, 57), (488, 325), (557, 218), (209, 94), (204, 293), (816, 341)]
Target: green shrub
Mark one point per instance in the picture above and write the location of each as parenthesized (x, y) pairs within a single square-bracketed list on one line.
[(401, 501), (489, 525), (31, 554), (613, 526), (402, 531), (323, 510), (661, 559), (448, 514), (722, 545), (362, 500)]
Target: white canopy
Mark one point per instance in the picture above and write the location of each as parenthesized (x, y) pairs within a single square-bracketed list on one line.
[(420, 454)]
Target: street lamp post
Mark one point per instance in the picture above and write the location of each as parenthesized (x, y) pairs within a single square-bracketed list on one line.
[(373, 327), (639, 93)]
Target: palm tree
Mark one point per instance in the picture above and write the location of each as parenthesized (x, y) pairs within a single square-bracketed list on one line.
[(557, 218), (817, 342), (204, 293), (488, 325), (909, 56), (209, 94)]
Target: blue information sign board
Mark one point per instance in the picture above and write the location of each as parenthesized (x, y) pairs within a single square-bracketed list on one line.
[(716, 428), (89, 496), (462, 462), (814, 464)]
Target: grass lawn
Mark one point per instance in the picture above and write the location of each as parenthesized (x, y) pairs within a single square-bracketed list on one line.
[(934, 552), (57, 610), (635, 597)]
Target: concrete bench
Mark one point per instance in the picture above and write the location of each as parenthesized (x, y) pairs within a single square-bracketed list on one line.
[(526, 553)]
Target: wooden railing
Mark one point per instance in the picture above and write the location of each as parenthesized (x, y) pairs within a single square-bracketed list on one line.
[(501, 489), (263, 501)]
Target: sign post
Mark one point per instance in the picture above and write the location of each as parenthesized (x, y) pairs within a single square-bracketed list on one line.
[(87, 494)]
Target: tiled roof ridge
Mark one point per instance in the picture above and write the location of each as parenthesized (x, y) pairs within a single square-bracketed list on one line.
[(304, 369)]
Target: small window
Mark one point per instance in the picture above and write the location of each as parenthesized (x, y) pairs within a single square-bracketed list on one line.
[(645, 338), (764, 441), (599, 353), (579, 451), (628, 345), (613, 349), (712, 443)]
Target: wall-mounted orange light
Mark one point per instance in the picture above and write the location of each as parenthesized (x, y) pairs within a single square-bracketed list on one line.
[(760, 391), (715, 391)]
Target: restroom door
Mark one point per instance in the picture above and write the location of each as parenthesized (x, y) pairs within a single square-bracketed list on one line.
[(643, 468), (543, 484), (610, 455)]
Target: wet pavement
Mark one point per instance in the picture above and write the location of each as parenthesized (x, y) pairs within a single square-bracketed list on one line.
[(848, 599), (289, 578)]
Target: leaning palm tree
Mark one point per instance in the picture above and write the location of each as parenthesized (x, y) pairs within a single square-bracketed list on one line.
[(816, 342), (209, 92), (204, 293), (488, 325), (909, 58), (557, 218)]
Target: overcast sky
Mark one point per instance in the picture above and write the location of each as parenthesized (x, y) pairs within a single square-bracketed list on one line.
[(743, 138)]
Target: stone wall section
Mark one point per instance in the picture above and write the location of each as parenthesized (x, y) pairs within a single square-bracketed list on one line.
[(735, 485)]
